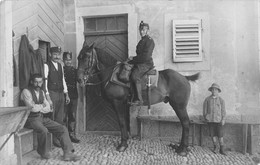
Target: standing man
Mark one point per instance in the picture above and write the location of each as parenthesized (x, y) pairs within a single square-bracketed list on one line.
[(214, 113), (56, 87), (70, 74), (34, 97), (143, 61)]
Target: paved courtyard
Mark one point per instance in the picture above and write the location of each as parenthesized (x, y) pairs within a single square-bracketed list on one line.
[(100, 150)]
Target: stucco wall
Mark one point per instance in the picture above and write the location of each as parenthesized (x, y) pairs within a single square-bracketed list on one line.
[(230, 48), (230, 53)]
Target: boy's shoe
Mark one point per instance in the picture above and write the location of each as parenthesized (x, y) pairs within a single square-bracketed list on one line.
[(221, 151), (215, 150)]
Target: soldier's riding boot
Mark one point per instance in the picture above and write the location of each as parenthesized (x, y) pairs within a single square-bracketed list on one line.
[(72, 133), (138, 86), (222, 150)]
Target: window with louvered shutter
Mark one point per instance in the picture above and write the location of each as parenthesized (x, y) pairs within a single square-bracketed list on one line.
[(187, 40)]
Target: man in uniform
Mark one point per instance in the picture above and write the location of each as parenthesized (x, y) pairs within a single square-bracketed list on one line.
[(56, 87), (70, 74), (34, 97), (143, 61)]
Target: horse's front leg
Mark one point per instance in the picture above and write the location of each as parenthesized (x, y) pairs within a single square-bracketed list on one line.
[(120, 108)]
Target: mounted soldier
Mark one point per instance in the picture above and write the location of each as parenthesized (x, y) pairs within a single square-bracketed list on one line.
[(143, 60)]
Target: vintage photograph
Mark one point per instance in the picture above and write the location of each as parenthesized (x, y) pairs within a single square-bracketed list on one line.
[(130, 82)]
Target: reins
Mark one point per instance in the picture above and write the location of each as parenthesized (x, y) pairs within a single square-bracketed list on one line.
[(101, 71), (88, 75)]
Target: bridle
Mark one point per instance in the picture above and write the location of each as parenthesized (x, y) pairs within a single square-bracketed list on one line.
[(93, 70)]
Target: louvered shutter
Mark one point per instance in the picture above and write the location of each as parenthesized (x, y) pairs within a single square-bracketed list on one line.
[(187, 40)]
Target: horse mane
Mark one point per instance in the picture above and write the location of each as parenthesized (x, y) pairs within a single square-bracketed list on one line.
[(105, 58)]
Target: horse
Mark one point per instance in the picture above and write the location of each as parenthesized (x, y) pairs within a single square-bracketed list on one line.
[(95, 66)]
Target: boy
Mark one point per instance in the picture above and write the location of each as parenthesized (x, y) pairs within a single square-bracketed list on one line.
[(214, 113)]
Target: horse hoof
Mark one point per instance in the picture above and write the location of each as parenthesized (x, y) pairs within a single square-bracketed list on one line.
[(179, 149), (121, 148), (182, 151), (174, 146), (183, 154)]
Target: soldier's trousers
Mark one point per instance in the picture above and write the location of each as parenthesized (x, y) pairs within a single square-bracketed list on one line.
[(70, 114)]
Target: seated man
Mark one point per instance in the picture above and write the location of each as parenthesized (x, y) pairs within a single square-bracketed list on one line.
[(34, 97)]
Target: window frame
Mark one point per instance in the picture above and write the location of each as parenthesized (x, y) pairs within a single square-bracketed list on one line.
[(189, 24)]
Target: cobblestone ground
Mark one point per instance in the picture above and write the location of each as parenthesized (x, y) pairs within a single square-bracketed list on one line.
[(100, 150)]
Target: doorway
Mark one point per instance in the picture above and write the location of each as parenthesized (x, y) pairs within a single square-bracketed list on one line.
[(110, 34)]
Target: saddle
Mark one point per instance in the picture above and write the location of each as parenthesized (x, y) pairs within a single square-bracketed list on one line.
[(120, 77), (149, 79)]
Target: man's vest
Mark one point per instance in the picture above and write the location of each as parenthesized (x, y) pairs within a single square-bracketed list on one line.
[(55, 78), (36, 101)]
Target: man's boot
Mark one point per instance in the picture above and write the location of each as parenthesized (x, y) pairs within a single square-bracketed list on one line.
[(138, 86), (72, 133), (70, 156)]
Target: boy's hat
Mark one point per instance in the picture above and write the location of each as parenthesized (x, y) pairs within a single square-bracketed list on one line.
[(67, 55), (55, 49), (214, 85), (142, 25)]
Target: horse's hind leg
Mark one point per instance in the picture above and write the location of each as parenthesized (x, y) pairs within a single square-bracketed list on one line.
[(121, 110), (185, 122)]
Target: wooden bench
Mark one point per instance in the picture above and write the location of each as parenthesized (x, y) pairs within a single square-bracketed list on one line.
[(141, 119), (26, 141), (246, 122)]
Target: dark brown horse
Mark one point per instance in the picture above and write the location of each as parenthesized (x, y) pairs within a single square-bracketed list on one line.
[(96, 66)]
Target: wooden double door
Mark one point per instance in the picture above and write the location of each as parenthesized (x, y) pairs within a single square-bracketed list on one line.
[(110, 34)]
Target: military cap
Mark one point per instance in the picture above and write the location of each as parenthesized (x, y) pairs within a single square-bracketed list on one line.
[(67, 55), (55, 49), (142, 24), (214, 85)]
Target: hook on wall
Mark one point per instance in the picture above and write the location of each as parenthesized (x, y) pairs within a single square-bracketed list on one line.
[(27, 32)]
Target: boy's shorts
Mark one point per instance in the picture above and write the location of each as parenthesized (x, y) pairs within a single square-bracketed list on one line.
[(216, 129)]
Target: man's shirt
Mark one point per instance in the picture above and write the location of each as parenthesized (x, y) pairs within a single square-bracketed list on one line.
[(27, 98)]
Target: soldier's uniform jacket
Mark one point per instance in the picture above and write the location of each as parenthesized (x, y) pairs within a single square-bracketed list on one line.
[(144, 50), (214, 109), (70, 75)]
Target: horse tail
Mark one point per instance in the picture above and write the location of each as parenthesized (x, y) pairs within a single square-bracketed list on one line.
[(193, 77)]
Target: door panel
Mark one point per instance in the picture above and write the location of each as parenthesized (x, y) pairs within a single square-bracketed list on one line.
[(100, 113)]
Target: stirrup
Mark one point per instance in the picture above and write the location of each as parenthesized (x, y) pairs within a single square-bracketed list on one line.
[(137, 103)]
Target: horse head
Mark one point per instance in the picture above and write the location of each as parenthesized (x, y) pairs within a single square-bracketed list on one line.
[(87, 64)]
